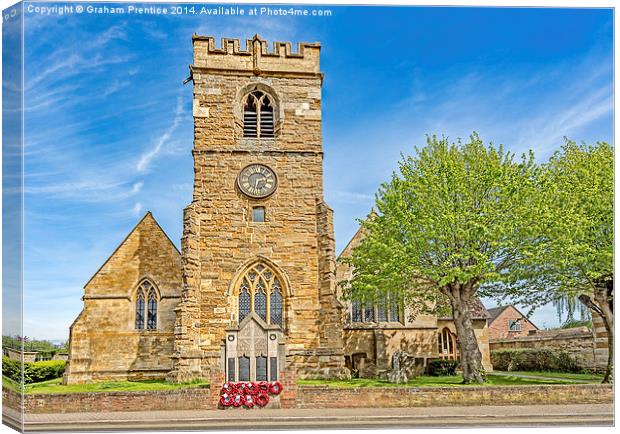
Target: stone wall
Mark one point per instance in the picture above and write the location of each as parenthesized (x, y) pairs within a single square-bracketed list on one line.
[(321, 397), (374, 397), (578, 342), (104, 343)]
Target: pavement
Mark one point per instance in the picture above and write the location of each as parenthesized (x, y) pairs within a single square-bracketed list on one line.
[(262, 419)]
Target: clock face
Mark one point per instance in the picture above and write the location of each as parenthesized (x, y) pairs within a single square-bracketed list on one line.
[(257, 181)]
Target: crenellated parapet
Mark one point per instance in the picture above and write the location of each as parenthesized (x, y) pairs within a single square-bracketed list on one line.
[(255, 57)]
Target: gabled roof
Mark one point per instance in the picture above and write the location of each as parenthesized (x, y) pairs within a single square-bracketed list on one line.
[(477, 309), (143, 220), (497, 311), (494, 312)]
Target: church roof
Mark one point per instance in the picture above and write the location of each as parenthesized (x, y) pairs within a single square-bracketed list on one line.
[(148, 218)]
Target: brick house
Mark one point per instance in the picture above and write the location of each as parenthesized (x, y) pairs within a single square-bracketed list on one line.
[(508, 322)]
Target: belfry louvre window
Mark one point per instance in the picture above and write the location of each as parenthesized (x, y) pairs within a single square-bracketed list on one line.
[(258, 117), (260, 291), (146, 306)]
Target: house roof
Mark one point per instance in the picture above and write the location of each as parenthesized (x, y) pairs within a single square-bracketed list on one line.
[(494, 312), (477, 309)]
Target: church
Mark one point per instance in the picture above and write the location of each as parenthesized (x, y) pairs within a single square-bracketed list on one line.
[(253, 292)]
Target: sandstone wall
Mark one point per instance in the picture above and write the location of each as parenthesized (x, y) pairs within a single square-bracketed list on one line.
[(578, 342)]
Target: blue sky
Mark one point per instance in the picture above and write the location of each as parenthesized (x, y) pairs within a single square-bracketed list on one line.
[(109, 126)]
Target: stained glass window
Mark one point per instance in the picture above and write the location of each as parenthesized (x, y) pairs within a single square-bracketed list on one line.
[(369, 313), (261, 284), (151, 319), (275, 304), (244, 368), (394, 311), (260, 300), (382, 312), (244, 301), (356, 311), (261, 368), (140, 310)]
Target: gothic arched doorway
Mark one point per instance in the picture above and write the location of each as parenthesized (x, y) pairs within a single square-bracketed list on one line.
[(447, 344), (254, 350)]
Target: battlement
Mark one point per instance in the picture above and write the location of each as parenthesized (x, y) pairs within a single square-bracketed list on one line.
[(256, 56)]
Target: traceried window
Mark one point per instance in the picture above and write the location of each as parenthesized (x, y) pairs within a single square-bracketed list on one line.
[(275, 301), (382, 311), (260, 291), (258, 117), (244, 300), (151, 318), (146, 306), (356, 311), (140, 310)]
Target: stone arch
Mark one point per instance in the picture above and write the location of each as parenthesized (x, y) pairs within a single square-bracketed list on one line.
[(134, 290), (241, 270), (244, 91)]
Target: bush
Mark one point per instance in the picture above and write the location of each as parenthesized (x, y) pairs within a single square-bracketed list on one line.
[(12, 369), (34, 372), (442, 367), (533, 359)]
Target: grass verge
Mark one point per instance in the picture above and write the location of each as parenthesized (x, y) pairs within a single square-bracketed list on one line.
[(565, 375), (55, 386), (428, 381)]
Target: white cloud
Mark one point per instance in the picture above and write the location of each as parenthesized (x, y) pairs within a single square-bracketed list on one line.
[(151, 154), (137, 209)]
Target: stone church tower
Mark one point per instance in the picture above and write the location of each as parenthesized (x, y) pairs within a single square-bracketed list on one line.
[(258, 295)]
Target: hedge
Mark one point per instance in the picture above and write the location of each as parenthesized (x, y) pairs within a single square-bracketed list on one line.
[(34, 372), (533, 359)]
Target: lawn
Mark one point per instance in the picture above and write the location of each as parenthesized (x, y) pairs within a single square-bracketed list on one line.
[(55, 386), (568, 376), (8, 383), (428, 381)]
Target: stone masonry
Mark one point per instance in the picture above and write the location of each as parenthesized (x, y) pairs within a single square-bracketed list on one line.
[(220, 239)]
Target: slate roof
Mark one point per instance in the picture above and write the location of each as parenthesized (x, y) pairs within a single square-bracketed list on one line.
[(494, 312), (478, 311)]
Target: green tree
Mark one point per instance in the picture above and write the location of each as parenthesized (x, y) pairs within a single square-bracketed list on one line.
[(447, 223), (571, 252)]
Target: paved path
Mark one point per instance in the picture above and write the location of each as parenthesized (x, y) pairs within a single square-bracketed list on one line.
[(539, 377), (528, 415)]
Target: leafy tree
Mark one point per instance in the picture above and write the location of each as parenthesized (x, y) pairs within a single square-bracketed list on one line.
[(577, 323), (447, 223), (571, 252)]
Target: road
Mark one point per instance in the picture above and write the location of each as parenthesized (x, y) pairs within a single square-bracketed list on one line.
[(427, 417)]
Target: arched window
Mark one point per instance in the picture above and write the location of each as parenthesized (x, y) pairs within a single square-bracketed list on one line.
[(140, 310), (151, 317), (260, 291), (146, 306), (275, 301), (258, 117), (244, 300)]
